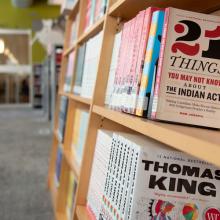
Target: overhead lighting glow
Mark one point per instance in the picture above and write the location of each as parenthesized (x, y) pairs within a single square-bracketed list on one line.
[(2, 46)]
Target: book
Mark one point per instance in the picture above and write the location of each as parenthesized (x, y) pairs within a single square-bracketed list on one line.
[(99, 169), (69, 74), (115, 53), (151, 61), (79, 69), (71, 195), (187, 82), (74, 29), (81, 119), (58, 165), (159, 182), (62, 118), (93, 47)]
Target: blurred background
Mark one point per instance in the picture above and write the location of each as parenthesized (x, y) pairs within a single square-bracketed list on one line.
[(31, 45)]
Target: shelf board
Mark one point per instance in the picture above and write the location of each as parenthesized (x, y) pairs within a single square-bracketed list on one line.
[(128, 8), (200, 142), (77, 98), (70, 49), (82, 213), (92, 31), (72, 163)]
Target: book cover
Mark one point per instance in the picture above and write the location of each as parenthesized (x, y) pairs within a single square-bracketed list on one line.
[(187, 82), (69, 74), (79, 69), (151, 60), (58, 165)]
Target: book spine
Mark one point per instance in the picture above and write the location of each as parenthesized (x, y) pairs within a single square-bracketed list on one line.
[(151, 58), (92, 14), (140, 60), (160, 64), (128, 63), (118, 69), (88, 14), (133, 178), (134, 58)]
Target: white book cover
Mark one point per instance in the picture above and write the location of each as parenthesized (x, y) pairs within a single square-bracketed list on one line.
[(188, 76), (172, 180)]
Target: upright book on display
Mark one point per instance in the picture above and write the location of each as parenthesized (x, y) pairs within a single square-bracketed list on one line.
[(188, 76)]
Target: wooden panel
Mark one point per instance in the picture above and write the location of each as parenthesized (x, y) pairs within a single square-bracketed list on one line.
[(129, 8), (200, 142), (82, 213)]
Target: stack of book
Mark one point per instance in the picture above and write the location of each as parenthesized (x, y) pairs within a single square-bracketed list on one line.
[(58, 165), (62, 118), (145, 179), (69, 72), (95, 10), (87, 66), (71, 196), (168, 67), (99, 170), (81, 118)]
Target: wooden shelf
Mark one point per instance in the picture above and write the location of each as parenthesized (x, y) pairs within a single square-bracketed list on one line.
[(82, 213), (72, 163), (77, 98), (70, 49), (92, 31), (200, 142), (74, 10), (128, 8)]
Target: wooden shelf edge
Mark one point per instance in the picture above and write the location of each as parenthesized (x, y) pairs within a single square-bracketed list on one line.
[(72, 163), (115, 6), (82, 213), (70, 49), (74, 9), (199, 142), (91, 31), (77, 98)]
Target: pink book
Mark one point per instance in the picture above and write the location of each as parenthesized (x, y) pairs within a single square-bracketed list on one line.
[(140, 59), (88, 13), (134, 58)]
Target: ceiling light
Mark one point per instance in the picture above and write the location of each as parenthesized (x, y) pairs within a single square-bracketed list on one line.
[(2, 46)]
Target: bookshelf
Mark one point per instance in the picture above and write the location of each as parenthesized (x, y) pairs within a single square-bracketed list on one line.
[(202, 143)]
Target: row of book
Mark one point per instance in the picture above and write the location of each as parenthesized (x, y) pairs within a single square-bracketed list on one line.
[(81, 119), (95, 9), (165, 65), (62, 118), (134, 177), (86, 67), (72, 184)]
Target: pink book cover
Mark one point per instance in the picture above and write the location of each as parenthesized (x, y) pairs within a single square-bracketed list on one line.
[(90, 213), (134, 58), (140, 59), (188, 80)]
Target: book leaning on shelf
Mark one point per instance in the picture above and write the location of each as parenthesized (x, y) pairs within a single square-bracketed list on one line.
[(71, 195), (188, 76), (69, 73), (58, 165), (147, 180), (87, 66), (179, 80), (81, 119), (62, 118)]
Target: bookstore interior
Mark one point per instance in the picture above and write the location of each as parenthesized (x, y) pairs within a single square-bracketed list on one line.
[(132, 91)]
